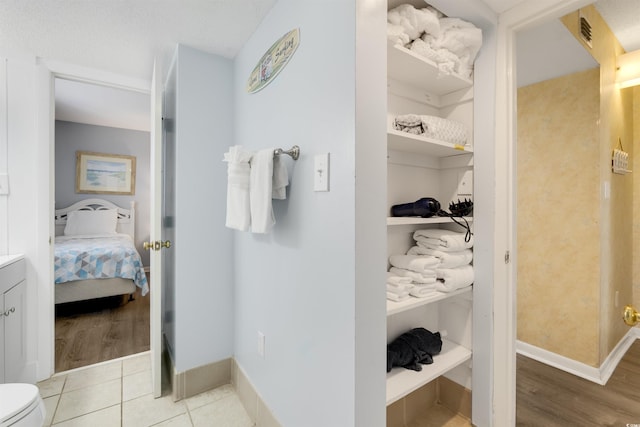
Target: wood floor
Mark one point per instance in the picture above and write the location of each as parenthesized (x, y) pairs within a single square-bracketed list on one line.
[(89, 332), (550, 397)]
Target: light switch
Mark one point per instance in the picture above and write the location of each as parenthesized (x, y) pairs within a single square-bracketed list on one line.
[(4, 183), (321, 172)]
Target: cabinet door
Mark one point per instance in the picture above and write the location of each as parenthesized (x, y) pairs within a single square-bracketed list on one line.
[(14, 332)]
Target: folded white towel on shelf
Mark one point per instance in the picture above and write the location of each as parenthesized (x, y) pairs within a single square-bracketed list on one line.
[(280, 179), (445, 60), (399, 289), (416, 263), (444, 240), (238, 177), (461, 38), (397, 280), (447, 259), (451, 279), (421, 291), (398, 297), (427, 276), (396, 34), (261, 191)]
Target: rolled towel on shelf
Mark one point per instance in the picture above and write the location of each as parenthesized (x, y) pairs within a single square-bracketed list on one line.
[(444, 240), (398, 280), (444, 129), (396, 34), (415, 263), (421, 291), (426, 277), (399, 289), (451, 279), (398, 297), (449, 259)]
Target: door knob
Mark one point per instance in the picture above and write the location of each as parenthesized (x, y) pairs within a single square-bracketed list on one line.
[(630, 316), (157, 245), (147, 246), (165, 244)]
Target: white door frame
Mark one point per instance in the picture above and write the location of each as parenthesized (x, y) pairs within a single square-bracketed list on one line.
[(49, 70), (525, 15)]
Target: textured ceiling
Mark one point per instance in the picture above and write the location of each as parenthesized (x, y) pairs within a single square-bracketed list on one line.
[(623, 17), (124, 36)]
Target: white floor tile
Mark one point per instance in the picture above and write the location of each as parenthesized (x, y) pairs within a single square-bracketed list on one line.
[(227, 412), (179, 421), (136, 364), (50, 405), (147, 411), (51, 386), (136, 385), (108, 417), (89, 399), (93, 375)]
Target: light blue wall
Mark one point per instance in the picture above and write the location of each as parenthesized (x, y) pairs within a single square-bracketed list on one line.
[(71, 137), (296, 285), (203, 293)]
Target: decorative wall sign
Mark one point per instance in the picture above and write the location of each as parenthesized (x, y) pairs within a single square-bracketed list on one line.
[(273, 61)]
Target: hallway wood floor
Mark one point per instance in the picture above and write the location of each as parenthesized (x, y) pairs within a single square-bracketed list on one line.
[(550, 397), (88, 332)]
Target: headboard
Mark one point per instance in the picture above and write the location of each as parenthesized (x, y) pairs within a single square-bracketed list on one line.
[(126, 217)]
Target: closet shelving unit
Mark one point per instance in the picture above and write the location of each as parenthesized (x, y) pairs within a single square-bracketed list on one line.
[(415, 83)]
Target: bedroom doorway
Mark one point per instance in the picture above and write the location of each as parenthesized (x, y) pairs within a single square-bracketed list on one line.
[(96, 118)]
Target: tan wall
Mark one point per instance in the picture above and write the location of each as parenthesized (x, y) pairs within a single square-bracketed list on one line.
[(616, 211), (558, 215), (581, 319)]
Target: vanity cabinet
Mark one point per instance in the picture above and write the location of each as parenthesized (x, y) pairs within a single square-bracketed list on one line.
[(12, 318), (424, 167)]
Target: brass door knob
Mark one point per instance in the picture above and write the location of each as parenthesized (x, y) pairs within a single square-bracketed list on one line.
[(630, 316), (147, 246), (166, 244)]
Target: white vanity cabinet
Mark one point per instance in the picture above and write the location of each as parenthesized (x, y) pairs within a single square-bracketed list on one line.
[(423, 167), (12, 318)]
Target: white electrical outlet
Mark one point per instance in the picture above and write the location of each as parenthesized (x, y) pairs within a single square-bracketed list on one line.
[(260, 344)]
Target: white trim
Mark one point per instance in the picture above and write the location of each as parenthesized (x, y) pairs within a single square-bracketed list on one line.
[(597, 375), (78, 73)]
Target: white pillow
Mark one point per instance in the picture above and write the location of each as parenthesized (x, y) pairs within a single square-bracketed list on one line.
[(91, 222)]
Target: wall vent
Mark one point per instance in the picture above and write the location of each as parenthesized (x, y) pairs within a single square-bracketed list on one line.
[(585, 30)]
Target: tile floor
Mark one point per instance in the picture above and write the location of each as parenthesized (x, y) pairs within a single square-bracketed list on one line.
[(118, 393)]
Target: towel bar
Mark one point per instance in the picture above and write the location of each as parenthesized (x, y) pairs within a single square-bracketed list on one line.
[(294, 152)]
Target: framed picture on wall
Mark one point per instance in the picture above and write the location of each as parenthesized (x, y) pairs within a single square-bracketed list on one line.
[(99, 173)]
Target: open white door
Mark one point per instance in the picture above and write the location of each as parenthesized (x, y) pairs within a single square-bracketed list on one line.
[(156, 233)]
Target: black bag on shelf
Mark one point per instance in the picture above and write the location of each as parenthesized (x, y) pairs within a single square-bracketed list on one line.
[(413, 349)]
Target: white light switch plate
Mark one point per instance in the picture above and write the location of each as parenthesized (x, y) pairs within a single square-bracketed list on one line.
[(321, 172)]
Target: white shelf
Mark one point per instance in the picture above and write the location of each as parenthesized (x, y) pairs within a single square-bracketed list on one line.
[(408, 67), (412, 220), (401, 381), (404, 141), (413, 302)]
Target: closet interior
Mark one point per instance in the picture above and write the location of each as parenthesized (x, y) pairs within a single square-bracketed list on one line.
[(430, 158)]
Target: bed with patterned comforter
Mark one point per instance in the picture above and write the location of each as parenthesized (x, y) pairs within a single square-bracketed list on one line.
[(98, 257)]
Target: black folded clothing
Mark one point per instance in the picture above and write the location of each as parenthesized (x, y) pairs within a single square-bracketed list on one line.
[(413, 349)]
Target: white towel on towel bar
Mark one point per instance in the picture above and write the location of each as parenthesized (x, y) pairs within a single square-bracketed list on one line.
[(238, 172), (261, 191), (280, 179)]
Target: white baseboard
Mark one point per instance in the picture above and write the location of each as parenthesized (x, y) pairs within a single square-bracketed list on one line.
[(597, 375)]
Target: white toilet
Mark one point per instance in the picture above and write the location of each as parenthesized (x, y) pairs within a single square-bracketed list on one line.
[(21, 406)]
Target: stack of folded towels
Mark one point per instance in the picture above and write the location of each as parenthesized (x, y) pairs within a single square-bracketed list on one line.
[(440, 260)]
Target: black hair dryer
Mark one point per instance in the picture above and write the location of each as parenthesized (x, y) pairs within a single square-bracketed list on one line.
[(425, 208)]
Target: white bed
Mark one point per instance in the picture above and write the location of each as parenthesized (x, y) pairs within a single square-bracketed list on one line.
[(84, 223)]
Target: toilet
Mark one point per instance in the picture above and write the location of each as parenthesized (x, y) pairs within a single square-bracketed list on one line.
[(21, 406)]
